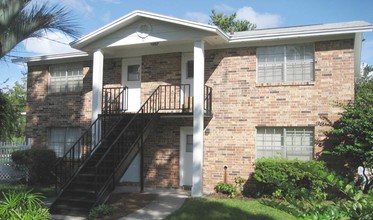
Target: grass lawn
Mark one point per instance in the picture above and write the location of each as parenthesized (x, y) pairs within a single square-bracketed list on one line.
[(211, 208)]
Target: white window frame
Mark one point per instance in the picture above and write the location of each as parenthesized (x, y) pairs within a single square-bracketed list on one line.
[(61, 147), (285, 142), (70, 79), (264, 54)]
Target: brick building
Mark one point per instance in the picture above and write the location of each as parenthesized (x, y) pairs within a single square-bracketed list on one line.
[(185, 99)]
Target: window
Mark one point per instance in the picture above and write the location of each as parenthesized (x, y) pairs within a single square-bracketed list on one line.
[(289, 63), (61, 139), (190, 69), (133, 72), (290, 142), (66, 78), (189, 143)]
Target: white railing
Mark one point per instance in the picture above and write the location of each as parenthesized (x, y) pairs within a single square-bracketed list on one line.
[(8, 170)]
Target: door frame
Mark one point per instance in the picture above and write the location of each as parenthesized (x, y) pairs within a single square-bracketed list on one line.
[(184, 131), (134, 86)]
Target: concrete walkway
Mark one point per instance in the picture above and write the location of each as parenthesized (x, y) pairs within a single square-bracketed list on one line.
[(167, 201)]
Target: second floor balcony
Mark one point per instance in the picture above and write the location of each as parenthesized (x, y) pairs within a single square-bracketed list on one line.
[(167, 99)]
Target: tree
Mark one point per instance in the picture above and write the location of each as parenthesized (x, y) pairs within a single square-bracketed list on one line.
[(351, 137), (366, 73), (230, 23), (16, 95), (19, 20), (7, 117)]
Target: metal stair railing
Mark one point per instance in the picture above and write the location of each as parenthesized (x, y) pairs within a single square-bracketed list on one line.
[(125, 147), (69, 164), (120, 152)]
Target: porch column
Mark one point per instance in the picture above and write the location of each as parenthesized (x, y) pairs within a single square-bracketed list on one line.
[(98, 65), (198, 81)]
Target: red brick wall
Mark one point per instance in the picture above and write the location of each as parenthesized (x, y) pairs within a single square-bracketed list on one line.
[(65, 109), (164, 69), (162, 152), (240, 104), (55, 110)]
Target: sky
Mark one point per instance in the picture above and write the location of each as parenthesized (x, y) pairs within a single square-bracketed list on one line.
[(93, 14)]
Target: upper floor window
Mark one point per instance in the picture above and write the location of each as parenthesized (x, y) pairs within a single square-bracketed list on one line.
[(288, 63), (66, 78), (285, 142)]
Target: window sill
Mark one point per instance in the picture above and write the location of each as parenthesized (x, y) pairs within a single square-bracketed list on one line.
[(274, 84), (65, 93)]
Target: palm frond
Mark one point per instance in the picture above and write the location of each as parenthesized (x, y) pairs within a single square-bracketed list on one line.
[(32, 22)]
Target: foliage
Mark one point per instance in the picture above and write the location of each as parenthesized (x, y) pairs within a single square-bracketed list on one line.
[(7, 117), (239, 180), (23, 206), (356, 206), (40, 163), (22, 19), (226, 188), (100, 211), (48, 191), (277, 177), (366, 74), (230, 23), (16, 97), (218, 209), (351, 137)]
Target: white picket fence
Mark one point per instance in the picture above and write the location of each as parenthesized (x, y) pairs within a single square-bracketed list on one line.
[(9, 172)]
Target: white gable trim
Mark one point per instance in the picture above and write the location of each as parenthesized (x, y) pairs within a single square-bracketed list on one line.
[(136, 15)]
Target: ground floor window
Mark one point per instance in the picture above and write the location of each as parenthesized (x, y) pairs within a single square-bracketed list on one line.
[(285, 142), (61, 139)]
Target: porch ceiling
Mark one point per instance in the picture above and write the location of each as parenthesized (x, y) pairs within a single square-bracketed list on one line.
[(157, 47)]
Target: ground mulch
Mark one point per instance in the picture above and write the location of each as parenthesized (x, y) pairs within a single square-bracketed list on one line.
[(126, 203)]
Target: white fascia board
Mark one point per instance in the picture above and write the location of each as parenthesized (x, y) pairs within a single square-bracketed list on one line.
[(298, 34), (50, 57), (117, 24)]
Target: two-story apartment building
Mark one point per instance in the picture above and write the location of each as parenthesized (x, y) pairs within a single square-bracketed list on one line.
[(170, 102)]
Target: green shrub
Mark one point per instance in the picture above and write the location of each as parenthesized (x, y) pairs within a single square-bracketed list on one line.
[(294, 178), (239, 180), (355, 205), (226, 188), (40, 163), (100, 211), (23, 206)]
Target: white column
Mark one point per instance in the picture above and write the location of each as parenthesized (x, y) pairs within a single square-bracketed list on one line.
[(98, 65), (199, 81)]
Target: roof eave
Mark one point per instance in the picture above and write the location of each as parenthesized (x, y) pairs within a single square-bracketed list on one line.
[(51, 57), (298, 34)]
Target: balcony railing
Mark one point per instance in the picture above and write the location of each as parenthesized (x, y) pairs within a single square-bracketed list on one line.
[(172, 99), (114, 100)]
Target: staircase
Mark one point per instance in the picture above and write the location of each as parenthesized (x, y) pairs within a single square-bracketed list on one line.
[(89, 171)]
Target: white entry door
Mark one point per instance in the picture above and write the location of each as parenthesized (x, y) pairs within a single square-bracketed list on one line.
[(131, 77), (133, 172), (187, 75), (186, 156)]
